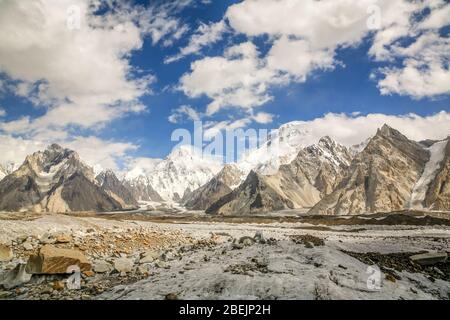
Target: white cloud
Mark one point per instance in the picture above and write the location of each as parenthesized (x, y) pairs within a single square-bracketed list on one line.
[(304, 36), (351, 130), (238, 79), (213, 127), (2, 112), (184, 111), (297, 58), (205, 35), (425, 71), (82, 75), (140, 166), (263, 117)]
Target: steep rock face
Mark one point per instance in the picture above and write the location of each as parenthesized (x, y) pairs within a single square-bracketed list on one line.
[(300, 184), (254, 195), (142, 190), (380, 178), (322, 164), (220, 185), (109, 182), (438, 194), (82, 195), (46, 180)]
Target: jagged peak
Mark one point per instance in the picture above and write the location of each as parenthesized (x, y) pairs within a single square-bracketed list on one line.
[(55, 147), (387, 130), (326, 139)]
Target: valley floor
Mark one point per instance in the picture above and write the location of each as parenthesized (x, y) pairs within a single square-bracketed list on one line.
[(236, 258)]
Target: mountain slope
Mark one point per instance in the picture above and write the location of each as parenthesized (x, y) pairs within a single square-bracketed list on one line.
[(380, 178), (322, 164), (254, 195), (55, 180), (141, 189), (220, 185), (300, 184), (109, 182)]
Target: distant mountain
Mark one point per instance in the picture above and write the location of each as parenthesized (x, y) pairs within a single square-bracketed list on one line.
[(185, 169), (141, 189), (55, 180), (281, 147), (323, 164), (109, 182), (380, 178), (300, 184), (220, 185)]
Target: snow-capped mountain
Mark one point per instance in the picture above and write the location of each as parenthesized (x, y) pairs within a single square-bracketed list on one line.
[(184, 170), (54, 180), (381, 178), (313, 173), (141, 189), (281, 147)]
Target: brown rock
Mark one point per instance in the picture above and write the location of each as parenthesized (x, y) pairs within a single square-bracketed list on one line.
[(390, 277), (6, 253), (171, 296), (89, 273), (52, 260), (58, 285), (64, 238)]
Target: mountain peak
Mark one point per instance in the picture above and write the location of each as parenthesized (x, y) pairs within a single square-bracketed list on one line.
[(183, 151), (386, 130), (55, 147)]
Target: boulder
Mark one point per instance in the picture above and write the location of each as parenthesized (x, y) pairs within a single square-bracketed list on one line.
[(15, 277), (47, 239), (259, 237), (6, 253), (101, 266), (64, 238), (426, 259), (52, 260), (27, 246), (149, 256), (246, 241), (123, 265)]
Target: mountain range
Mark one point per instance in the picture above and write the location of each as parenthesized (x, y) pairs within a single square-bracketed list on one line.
[(388, 172)]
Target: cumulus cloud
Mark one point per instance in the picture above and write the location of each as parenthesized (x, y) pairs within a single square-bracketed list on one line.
[(74, 64), (238, 79), (425, 71), (304, 36), (65, 57), (351, 130)]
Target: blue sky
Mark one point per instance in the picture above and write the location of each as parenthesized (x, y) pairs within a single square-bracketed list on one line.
[(344, 73)]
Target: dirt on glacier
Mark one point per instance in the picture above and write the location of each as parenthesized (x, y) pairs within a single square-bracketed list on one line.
[(198, 257)]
